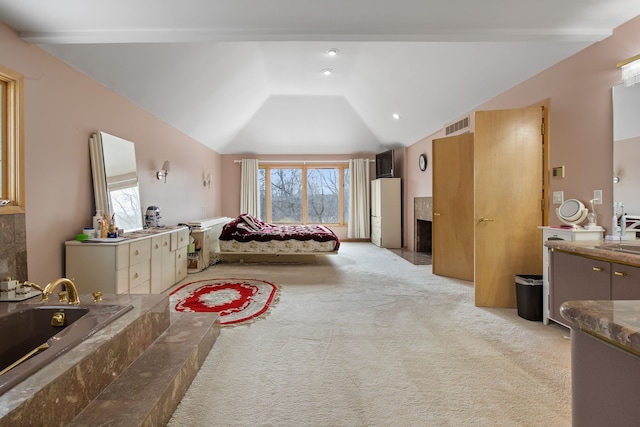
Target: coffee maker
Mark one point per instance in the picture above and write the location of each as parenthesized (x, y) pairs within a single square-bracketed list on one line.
[(152, 217)]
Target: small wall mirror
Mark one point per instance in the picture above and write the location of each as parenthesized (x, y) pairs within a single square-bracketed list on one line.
[(115, 180), (626, 147)]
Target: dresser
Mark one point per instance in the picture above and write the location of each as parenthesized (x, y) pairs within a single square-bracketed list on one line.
[(386, 225), (146, 262)]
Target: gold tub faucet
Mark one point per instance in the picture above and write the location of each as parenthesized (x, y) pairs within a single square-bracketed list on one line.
[(70, 287), (32, 285)]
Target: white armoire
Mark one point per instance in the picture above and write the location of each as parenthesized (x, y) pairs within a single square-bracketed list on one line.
[(386, 224)]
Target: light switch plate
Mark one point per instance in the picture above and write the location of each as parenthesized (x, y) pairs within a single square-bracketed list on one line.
[(558, 197), (597, 197)]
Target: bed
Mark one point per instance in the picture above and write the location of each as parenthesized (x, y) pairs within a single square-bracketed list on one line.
[(248, 235)]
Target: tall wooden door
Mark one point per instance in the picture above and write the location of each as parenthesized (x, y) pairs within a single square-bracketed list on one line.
[(508, 201), (453, 227)]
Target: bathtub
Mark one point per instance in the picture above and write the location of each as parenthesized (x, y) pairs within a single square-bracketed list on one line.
[(31, 336)]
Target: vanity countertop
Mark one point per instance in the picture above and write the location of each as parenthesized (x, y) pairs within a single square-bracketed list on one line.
[(617, 322), (592, 248)]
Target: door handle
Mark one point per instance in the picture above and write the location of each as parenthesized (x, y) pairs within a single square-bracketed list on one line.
[(436, 214), (483, 219)]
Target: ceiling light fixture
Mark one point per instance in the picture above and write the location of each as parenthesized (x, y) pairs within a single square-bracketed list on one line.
[(327, 71), (332, 52), (396, 116), (630, 70)]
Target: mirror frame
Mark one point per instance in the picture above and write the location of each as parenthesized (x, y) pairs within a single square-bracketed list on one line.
[(626, 146), (101, 191)]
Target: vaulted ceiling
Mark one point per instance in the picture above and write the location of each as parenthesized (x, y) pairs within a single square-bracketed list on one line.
[(245, 76)]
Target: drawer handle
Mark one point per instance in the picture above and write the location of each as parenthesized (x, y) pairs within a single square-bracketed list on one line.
[(598, 269), (619, 273), (136, 253), (157, 246), (135, 276)]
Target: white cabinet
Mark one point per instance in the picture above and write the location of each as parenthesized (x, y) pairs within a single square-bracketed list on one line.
[(147, 264), (386, 223), (200, 258), (555, 233)]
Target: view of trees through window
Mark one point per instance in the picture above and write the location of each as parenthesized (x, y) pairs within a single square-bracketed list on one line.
[(304, 195)]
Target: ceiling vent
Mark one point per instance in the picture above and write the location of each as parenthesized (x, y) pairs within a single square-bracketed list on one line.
[(457, 127)]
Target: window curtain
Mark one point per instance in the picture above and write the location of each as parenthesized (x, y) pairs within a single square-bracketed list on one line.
[(359, 205), (249, 192)]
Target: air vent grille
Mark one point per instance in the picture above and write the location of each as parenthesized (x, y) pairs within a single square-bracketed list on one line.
[(457, 126)]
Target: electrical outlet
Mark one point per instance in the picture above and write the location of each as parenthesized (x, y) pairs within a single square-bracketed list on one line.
[(558, 197), (597, 197)]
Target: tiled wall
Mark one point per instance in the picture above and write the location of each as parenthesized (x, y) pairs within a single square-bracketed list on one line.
[(13, 247)]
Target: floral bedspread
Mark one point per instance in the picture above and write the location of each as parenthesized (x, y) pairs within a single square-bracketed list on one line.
[(247, 228)]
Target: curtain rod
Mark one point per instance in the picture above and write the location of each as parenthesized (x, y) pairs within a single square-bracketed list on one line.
[(304, 162)]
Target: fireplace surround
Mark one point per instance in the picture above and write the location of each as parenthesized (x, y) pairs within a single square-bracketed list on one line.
[(423, 214)]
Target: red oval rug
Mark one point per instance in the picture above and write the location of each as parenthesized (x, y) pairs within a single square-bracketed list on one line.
[(236, 300)]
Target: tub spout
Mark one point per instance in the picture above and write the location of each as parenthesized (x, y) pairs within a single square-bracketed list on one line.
[(72, 292)]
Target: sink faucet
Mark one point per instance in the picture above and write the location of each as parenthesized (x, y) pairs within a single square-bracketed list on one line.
[(70, 287)]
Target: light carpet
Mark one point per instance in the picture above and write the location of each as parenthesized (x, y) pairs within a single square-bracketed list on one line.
[(365, 338)]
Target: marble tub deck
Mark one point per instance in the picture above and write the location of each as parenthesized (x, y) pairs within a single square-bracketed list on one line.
[(132, 372)]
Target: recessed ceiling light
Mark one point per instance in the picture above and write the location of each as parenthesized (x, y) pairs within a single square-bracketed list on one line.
[(396, 116), (327, 71), (332, 52)]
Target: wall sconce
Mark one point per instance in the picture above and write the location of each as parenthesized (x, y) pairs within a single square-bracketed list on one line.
[(166, 167), (630, 70), (207, 181)]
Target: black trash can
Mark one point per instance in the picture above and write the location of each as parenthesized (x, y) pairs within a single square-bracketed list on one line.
[(529, 296)]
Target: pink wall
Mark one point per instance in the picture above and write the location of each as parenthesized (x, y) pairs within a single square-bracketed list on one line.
[(62, 108), (580, 122)]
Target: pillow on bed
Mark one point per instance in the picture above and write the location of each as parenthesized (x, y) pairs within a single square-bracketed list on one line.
[(252, 222)]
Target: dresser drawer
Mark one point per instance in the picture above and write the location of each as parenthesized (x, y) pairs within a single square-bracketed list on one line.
[(139, 273), (179, 239), (142, 288), (139, 251)]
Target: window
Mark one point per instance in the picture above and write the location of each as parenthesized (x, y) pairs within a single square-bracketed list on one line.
[(11, 152), (304, 194)]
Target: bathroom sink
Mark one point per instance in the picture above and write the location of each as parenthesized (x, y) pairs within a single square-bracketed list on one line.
[(632, 248)]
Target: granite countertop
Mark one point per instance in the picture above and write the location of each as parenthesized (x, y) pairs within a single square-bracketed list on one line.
[(598, 249), (617, 322)]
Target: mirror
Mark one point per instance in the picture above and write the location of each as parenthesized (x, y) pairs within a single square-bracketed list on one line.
[(626, 147), (115, 180)]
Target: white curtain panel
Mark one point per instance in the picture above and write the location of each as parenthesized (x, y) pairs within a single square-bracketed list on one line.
[(359, 219), (249, 193)]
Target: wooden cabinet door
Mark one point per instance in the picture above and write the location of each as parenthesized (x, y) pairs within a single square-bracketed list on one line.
[(575, 278), (168, 262), (625, 282), (508, 182), (452, 231)]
